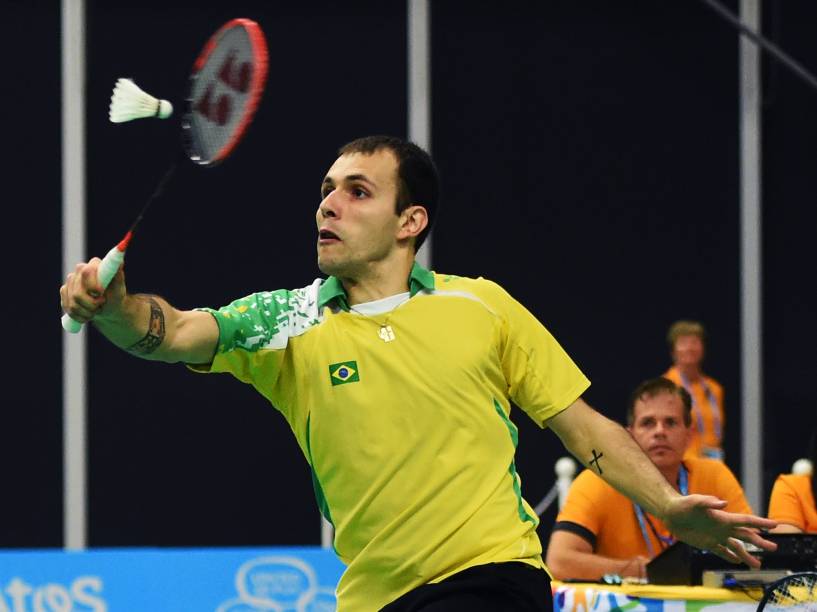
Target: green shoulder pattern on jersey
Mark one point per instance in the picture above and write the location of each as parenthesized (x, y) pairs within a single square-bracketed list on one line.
[(266, 320)]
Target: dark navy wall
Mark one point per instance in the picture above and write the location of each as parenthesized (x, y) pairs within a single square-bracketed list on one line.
[(30, 249), (790, 226)]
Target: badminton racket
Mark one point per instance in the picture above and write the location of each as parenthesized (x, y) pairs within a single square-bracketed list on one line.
[(794, 592), (225, 89)]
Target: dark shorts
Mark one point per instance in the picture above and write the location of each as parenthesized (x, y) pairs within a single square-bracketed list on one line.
[(495, 587)]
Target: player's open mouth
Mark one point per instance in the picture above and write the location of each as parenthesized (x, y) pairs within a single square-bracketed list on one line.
[(327, 237)]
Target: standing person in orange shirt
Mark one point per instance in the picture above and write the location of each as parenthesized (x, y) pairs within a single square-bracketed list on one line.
[(686, 341), (792, 502)]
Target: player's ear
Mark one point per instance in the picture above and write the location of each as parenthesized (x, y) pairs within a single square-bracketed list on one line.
[(413, 220)]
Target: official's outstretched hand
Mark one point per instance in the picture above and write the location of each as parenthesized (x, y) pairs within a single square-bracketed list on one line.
[(699, 520)]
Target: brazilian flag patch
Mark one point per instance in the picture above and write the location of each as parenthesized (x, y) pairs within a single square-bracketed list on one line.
[(344, 372)]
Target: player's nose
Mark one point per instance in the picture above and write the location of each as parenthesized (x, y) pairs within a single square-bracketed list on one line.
[(328, 207)]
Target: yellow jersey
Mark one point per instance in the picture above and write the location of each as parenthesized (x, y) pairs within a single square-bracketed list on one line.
[(402, 409)]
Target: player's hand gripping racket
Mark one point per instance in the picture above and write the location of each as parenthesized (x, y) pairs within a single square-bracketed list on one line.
[(226, 84)]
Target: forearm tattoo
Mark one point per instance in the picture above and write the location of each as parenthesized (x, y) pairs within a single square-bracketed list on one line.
[(595, 460), (156, 330)]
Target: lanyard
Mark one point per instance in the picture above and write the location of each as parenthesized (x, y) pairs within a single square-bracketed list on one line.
[(643, 520), (713, 405)]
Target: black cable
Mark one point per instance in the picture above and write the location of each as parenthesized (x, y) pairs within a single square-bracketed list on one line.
[(748, 589)]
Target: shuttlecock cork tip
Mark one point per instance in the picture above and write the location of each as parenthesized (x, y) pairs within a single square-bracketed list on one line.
[(165, 109)]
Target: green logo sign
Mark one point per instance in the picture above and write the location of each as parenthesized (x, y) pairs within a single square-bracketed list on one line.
[(344, 372)]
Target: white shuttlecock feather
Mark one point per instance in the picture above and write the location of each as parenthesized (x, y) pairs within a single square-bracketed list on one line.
[(129, 102)]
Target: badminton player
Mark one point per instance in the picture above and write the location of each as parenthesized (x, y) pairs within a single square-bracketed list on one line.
[(397, 383)]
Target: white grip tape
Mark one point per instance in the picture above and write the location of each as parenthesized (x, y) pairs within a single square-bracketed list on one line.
[(107, 270)]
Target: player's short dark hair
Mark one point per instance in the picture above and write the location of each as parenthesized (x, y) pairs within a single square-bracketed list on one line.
[(417, 180), (656, 386)]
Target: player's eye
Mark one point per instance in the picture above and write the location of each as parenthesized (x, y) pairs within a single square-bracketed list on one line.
[(326, 190), (359, 193)]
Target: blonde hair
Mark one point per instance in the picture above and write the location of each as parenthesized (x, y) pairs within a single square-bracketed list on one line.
[(685, 328)]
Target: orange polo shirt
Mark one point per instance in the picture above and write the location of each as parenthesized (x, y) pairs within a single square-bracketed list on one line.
[(702, 409), (792, 502), (604, 517)]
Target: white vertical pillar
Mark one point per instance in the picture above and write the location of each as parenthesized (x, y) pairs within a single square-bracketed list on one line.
[(73, 251), (419, 89), (751, 261)]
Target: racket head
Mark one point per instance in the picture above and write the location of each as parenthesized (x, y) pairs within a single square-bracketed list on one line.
[(226, 85), (794, 592)]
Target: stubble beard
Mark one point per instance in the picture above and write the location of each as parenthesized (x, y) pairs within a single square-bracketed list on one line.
[(350, 267), (336, 267)]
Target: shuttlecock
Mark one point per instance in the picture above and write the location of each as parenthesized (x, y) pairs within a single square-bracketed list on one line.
[(128, 102)]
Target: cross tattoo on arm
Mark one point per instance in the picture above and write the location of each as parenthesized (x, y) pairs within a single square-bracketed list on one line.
[(595, 460)]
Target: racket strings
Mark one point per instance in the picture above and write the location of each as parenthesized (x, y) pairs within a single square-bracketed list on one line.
[(225, 89), (795, 592)]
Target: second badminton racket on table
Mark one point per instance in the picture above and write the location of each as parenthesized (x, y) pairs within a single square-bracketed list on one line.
[(225, 89), (795, 592)]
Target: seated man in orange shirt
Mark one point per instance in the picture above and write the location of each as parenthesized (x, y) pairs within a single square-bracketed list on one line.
[(599, 531), (792, 500)]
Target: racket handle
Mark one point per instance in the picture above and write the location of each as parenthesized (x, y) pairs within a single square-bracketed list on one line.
[(107, 270)]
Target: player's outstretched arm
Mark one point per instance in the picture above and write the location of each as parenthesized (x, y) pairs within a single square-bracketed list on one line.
[(145, 325), (606, 448)]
